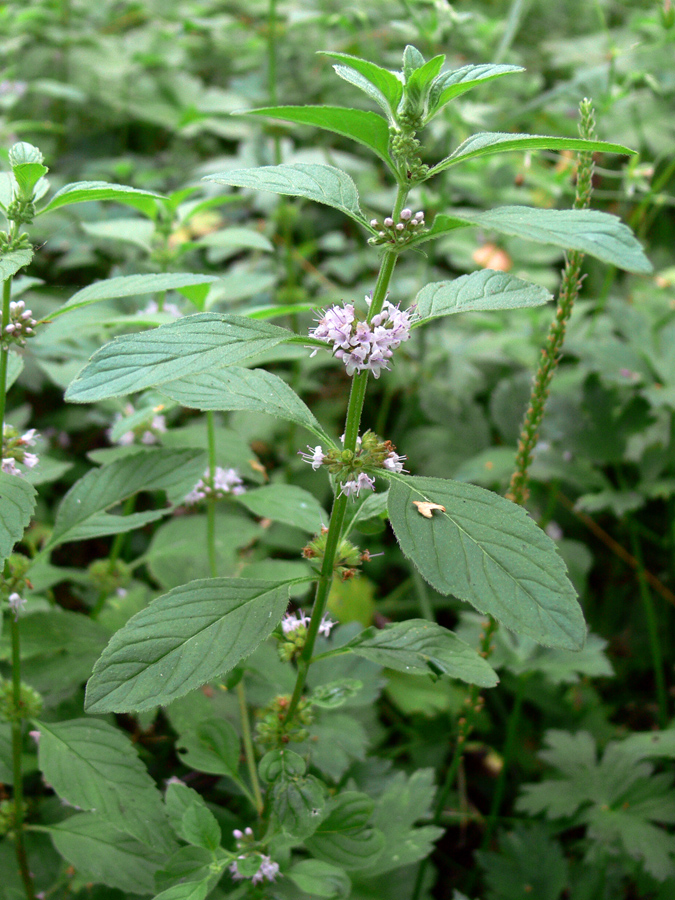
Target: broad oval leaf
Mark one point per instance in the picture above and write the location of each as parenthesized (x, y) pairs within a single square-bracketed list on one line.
[(420, 647), (12, 261), (194, 344), (17, 502), (81, 191), (188, 890), (485, 143), (345, 838), (483, 290), (360, 125), (93, 766), (180, 641), (212, 746), (377, 80), (320, 879), (489, 552), (130, 286), (286, 503), (82, 513), (588, 230), (324, 184), (449, 85), (234, 387)]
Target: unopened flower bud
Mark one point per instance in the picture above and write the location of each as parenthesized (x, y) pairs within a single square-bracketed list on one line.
[(389, 221), (406, 214)]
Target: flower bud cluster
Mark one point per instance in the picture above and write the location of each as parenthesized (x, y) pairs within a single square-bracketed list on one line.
[(30, 702), (13, 582), (8, 815), (274, 729), (390, 232), (109, 577), (225, 481), (371, 453), (362, 345), (13, 450), (348, 557), (21, 325)]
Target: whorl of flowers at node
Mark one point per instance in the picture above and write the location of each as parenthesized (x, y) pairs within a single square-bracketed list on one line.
[(13, 451), (21, 325), (267, 869), (400, 232), (371, 454), (225, 481), (362, 345), (147, 432)]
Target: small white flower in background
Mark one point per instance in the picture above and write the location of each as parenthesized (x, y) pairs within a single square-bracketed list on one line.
[(10, 467), (13, 451), (153, 307), (268, 870), (35, 735), (554, 531), (394, 462), (326, 626), (360, 484), (31, 460), (225, 481), (315, 457), (292, 621), (16, 603), (20, 326), (364, 346)]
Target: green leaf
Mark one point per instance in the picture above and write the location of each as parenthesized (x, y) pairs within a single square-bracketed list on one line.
[(345, 838), (189, 890), (200, 828), (336, 741), (103, 854), (441, 226), (27, 176), (235, 387), (382, 85), (320, 879), (298, 804), (198, 343), (420, 647), (56, 631), (212, 747), (131, 286), (597, 233), (323, 184), (363, 126), (191, 635), (17, 502), (92, 765), (449, 85), (81, 191), (187, 867), (82, 513), (489, 552), (487, 142), (483, 290), (286, 503), (12, 261), (529, 860), (278, 763), (404, 801), (14, 368)]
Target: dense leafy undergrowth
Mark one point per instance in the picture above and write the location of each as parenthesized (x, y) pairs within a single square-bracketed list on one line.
[(174, 276)]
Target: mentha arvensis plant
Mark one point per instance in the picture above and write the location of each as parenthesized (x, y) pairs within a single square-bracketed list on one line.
[(320, 834)]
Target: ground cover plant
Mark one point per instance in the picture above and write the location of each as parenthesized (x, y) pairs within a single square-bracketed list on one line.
[(310, 453)]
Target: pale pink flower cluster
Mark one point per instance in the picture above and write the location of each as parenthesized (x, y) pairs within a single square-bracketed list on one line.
[(148, 435), (15, 452), (364, 346), (394, 462), (20, 326), (225, 481), (316, 457), (292, 621), (268, 870), (171, 309), (361, 483)]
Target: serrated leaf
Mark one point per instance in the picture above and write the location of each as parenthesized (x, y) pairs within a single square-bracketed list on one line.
[(93, 766), (420, 647), (298, 804), (131, 286), (17, 502), (190, 890), (360, 125), (441, 226), (323, 184), (451, 84), (101, 853), (278, 763), (590, 231), (286, 503), (345, 838), (197, 343), (200, 827), (382, 85), (82, 513), (320, 879), (486, 142), (489, 552), (483, 290), (401, 804), (213, 747), (81, 191), (235, 387), (188, 866), (180, 641), (12, 261), (530, 864), (336, 741)]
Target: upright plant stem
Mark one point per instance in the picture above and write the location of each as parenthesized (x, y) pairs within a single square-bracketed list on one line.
[(249, 751), (352, 423), (4, 353), (17, 743)]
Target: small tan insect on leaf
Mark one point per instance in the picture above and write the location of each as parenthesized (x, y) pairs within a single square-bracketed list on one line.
[(426, 509)]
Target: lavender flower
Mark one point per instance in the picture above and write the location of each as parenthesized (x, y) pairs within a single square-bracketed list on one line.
[(292, 621), (268, 870), (362, 482), (225, 481), (10, 467), (394, 462), (316, 457)]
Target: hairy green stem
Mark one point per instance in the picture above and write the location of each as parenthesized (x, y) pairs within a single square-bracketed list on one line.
[(17, 746), (249, 752), (4, 353), (113, 556)]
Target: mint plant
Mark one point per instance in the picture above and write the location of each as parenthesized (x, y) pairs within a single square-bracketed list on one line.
[(303, 826)]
